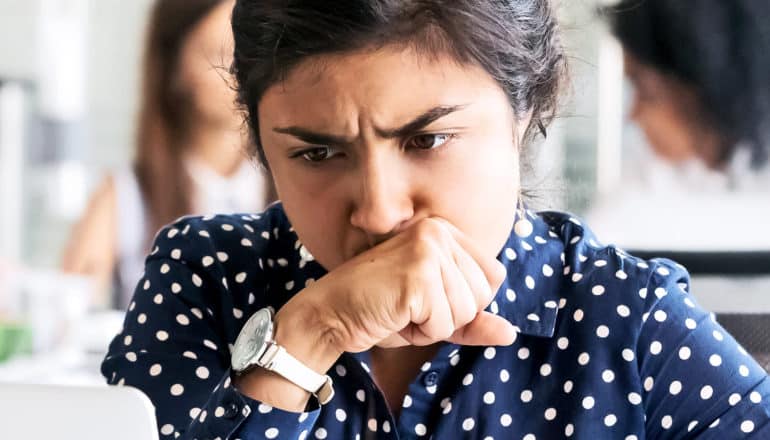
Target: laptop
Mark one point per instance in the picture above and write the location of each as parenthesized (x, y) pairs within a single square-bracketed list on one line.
[(75, 412)]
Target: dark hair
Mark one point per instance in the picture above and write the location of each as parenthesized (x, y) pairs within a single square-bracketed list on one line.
[(515, 41), (162, 120), (720, 48)]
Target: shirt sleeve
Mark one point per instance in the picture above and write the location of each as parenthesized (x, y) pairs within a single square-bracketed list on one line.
[(698, 382), (176, 341)]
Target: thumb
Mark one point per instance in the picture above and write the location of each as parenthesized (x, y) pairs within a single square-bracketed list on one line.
[(486, 329)]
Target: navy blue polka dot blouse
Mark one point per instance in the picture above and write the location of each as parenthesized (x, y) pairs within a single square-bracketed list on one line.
[(609, 346)]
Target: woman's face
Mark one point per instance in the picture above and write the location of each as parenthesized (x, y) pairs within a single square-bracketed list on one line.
[(204, 58), (666, 110), (364, 145)]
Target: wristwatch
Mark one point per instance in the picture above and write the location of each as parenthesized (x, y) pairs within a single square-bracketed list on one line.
[(255, 347)]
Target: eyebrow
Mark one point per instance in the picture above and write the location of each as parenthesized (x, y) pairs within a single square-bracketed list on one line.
[(410, 127)]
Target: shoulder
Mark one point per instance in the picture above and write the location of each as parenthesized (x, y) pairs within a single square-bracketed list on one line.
[(607, 272)]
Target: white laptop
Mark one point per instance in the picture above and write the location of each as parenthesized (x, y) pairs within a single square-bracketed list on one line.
[(75, 412)]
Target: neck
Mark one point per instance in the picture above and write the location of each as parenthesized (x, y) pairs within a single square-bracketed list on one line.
[(220, 148)]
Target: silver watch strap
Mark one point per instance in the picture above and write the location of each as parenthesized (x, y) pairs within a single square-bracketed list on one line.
[(277, 359)]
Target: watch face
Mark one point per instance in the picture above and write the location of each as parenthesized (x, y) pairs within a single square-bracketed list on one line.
[(252, 339)]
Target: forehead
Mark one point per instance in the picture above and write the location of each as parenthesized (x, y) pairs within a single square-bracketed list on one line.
[(386, 84)]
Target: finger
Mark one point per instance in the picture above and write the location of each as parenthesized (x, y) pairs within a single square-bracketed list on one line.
[(393, 341), (486, 329), (479, 289), (494, 271), (463, 301), (430, 314)]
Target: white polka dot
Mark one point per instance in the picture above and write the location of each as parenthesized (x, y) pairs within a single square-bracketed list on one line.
[(176, 288), (602, 331), (128, 339), (715, 360), (360, 395), (197, 280), (598, 290), (246, 242), (271, 433), (146, 284), (628, 354), (167, 429), (562, 343), (504, 375), (165, 268), (468, 424), (207, 261), (714, 424), (663, 271), (131, 356), (634, 398), (684, 353), (576, 277), (510, 254), (177, 389), (755, 397), (547, 270), (608, 376), (623, 311), (690, 323), (142, 318), (372, 425), (743, 371), (656, 347), (523, 353), (675, 387), (510, 294), (190, 355), (550, 414), (489, 397), (506, 420), (660, 315), (718, 335), (584, 358), (578, 315), (420, 429), (489, 352), (210, 344), (545, 370), (530, 282), (162, 335), (610, 420), (526, 396), (569, 430), (747, 426), (385, 426), (320, 433), (158, 299), (219, 412), (194, 412), (588, 402), (407, 401), (643, 293), (264, 408), (340, 414), (155, 370), (692, 425), (468, 379), (734, 399), (202, 372), (706, 392), (649, 382), (240, 278), (568, 386), (666, 422)]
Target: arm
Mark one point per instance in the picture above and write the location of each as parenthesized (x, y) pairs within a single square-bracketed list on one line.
[(698, 381), (91, 247), (174, 345)]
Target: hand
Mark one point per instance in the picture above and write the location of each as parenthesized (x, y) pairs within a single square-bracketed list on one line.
[(424, 285)]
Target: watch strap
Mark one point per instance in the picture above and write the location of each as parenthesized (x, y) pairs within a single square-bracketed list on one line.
[(277, 359)]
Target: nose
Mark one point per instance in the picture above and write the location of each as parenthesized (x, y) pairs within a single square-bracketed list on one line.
[(383, 203)]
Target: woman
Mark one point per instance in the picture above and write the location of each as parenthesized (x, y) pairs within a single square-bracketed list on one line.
[(700, 71), (189, 149), (414, 296)]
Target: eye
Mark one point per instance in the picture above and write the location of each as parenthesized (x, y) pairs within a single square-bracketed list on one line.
[(317, 154), (428, 141)]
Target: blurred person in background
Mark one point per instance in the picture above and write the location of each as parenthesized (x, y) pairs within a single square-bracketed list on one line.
[(189, 149), (701, 76)]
